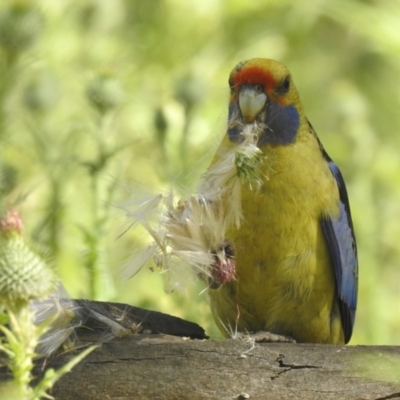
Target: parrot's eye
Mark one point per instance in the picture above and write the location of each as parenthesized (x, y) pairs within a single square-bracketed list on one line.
[(284, 87), (259, 88)]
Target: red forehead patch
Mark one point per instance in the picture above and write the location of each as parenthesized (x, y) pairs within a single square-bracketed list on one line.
[(254, 76)]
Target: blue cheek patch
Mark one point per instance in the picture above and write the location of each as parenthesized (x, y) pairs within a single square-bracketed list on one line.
[(281, 125)]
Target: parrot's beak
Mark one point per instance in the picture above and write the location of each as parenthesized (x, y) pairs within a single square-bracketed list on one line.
[(251, 102)]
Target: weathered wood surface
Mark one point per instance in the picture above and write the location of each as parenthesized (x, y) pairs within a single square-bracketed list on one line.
[(159, 366)]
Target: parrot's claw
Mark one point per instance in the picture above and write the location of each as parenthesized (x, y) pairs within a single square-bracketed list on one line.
[(264, 337)]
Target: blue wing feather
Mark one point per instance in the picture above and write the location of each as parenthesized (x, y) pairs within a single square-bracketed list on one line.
[(339, 234)]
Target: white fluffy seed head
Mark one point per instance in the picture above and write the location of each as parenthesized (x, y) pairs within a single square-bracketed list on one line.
[(192, 231)]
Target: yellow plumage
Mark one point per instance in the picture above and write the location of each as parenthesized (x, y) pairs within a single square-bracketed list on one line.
[(285, 282)]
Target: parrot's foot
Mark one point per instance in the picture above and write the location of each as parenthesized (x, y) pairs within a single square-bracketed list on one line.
[(264, 337)]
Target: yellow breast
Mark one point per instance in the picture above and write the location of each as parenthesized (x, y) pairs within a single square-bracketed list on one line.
[(285, 283)]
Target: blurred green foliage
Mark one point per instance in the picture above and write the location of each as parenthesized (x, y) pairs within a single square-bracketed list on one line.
[(101, 99)]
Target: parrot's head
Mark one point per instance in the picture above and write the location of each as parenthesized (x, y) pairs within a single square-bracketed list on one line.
[(263, 93)]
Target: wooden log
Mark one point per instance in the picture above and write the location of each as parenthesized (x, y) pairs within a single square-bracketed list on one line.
[(144, 365)]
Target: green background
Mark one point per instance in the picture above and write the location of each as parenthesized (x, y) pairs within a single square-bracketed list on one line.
[(103, 101)]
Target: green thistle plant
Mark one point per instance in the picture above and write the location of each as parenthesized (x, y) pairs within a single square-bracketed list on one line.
[(24, 276)]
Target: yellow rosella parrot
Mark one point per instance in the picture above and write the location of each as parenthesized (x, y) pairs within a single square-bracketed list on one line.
[(294, 254)]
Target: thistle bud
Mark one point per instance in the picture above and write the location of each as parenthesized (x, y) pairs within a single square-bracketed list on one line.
[(104, 92), (24, 275), (41, 93), (20, 25)]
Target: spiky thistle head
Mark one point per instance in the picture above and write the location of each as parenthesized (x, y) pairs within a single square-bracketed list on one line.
[(24, 275)]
